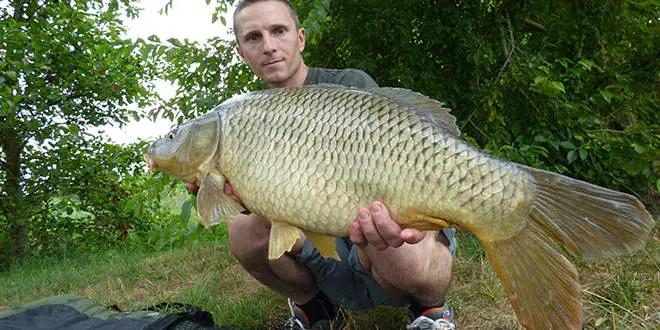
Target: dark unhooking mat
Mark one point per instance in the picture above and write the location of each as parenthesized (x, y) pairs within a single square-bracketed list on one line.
[(76, 313)]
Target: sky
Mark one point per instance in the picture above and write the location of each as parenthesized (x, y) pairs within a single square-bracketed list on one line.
[(189, 19)]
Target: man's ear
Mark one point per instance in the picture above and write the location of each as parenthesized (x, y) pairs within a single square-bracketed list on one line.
[(301, 39), (240, 54)]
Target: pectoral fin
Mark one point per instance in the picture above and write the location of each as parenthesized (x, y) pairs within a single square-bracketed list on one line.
[(213, 205), (282, 238), (324, 244)]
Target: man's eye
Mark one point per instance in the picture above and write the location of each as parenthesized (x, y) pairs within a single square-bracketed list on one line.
[(279, 31), (252, 37)]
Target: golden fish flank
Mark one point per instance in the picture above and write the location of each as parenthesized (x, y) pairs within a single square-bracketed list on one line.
[(306, 158)]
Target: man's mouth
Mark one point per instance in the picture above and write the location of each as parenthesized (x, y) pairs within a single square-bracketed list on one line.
[(271, 62)]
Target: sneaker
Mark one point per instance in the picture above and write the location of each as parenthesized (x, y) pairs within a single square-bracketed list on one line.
[(298, 320), (439, 318)]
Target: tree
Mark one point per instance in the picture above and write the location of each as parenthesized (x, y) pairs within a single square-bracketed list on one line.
[(64, 67)]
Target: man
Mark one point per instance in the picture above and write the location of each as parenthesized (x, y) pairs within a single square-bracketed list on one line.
[(381, 264)]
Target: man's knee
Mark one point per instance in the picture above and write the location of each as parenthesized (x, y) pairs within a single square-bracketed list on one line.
[(426, 268), (248, 240)]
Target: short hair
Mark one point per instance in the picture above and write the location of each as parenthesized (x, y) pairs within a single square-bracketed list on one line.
[(242, 4)]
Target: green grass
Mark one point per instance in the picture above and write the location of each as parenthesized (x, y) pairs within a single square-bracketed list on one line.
[(619, 293)]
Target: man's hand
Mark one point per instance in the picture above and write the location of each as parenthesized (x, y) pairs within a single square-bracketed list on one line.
[(193, 188), (375, 226)]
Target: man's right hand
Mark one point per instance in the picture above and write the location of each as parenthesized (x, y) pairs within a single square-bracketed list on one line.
[(193, 188)]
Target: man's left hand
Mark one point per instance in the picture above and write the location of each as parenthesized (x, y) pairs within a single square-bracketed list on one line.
[(375, 226)]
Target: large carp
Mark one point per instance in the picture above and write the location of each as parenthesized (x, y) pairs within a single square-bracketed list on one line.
[(306, 158)]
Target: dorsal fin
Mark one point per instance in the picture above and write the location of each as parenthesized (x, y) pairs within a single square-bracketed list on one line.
[(426, 107)]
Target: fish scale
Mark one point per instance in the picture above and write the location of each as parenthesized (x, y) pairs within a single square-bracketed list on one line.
[(307, 158)]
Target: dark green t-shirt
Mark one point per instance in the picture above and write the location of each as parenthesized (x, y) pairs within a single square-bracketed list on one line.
[(347, 77)]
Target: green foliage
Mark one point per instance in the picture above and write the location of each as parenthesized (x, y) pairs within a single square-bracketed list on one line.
[(96, 180), (205, 74), (314, 19), (63, 67), (174, 219), (86, 209)]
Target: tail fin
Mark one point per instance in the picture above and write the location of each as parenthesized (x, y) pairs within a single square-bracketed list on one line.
[(590, 221), (540, 282)]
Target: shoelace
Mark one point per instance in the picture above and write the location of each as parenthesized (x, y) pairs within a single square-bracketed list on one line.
[(293, 324), (424, 322)]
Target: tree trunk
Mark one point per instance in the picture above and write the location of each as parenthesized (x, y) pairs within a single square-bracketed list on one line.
[(12, 145)]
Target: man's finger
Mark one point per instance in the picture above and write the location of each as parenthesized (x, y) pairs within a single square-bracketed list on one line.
[(227, 189), (412, 236), (369, 230), (355, 234), (230, 192), (388, 229), (193, 188)]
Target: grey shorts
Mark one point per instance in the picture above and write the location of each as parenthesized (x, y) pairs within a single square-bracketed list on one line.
[(346, 282)]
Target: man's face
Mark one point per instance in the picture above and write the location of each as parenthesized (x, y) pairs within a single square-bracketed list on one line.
[(269, 42)]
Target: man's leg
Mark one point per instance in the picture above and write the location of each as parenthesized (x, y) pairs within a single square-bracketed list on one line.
[(248, 239), (420, 271), (310, 307)]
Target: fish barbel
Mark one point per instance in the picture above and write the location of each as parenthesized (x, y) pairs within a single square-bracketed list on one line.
[(306, 158)]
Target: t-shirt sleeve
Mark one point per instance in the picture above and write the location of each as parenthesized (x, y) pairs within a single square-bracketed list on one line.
[(346, 77), (356, 78)]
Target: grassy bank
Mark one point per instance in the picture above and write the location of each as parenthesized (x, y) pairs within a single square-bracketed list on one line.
[(620, 293)]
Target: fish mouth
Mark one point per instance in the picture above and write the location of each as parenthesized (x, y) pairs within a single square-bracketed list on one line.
[(150, 161)]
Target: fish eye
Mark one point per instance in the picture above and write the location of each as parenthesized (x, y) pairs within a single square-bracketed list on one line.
[(171, 136)]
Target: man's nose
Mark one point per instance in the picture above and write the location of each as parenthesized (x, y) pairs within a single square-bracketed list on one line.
[(269, 45)]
